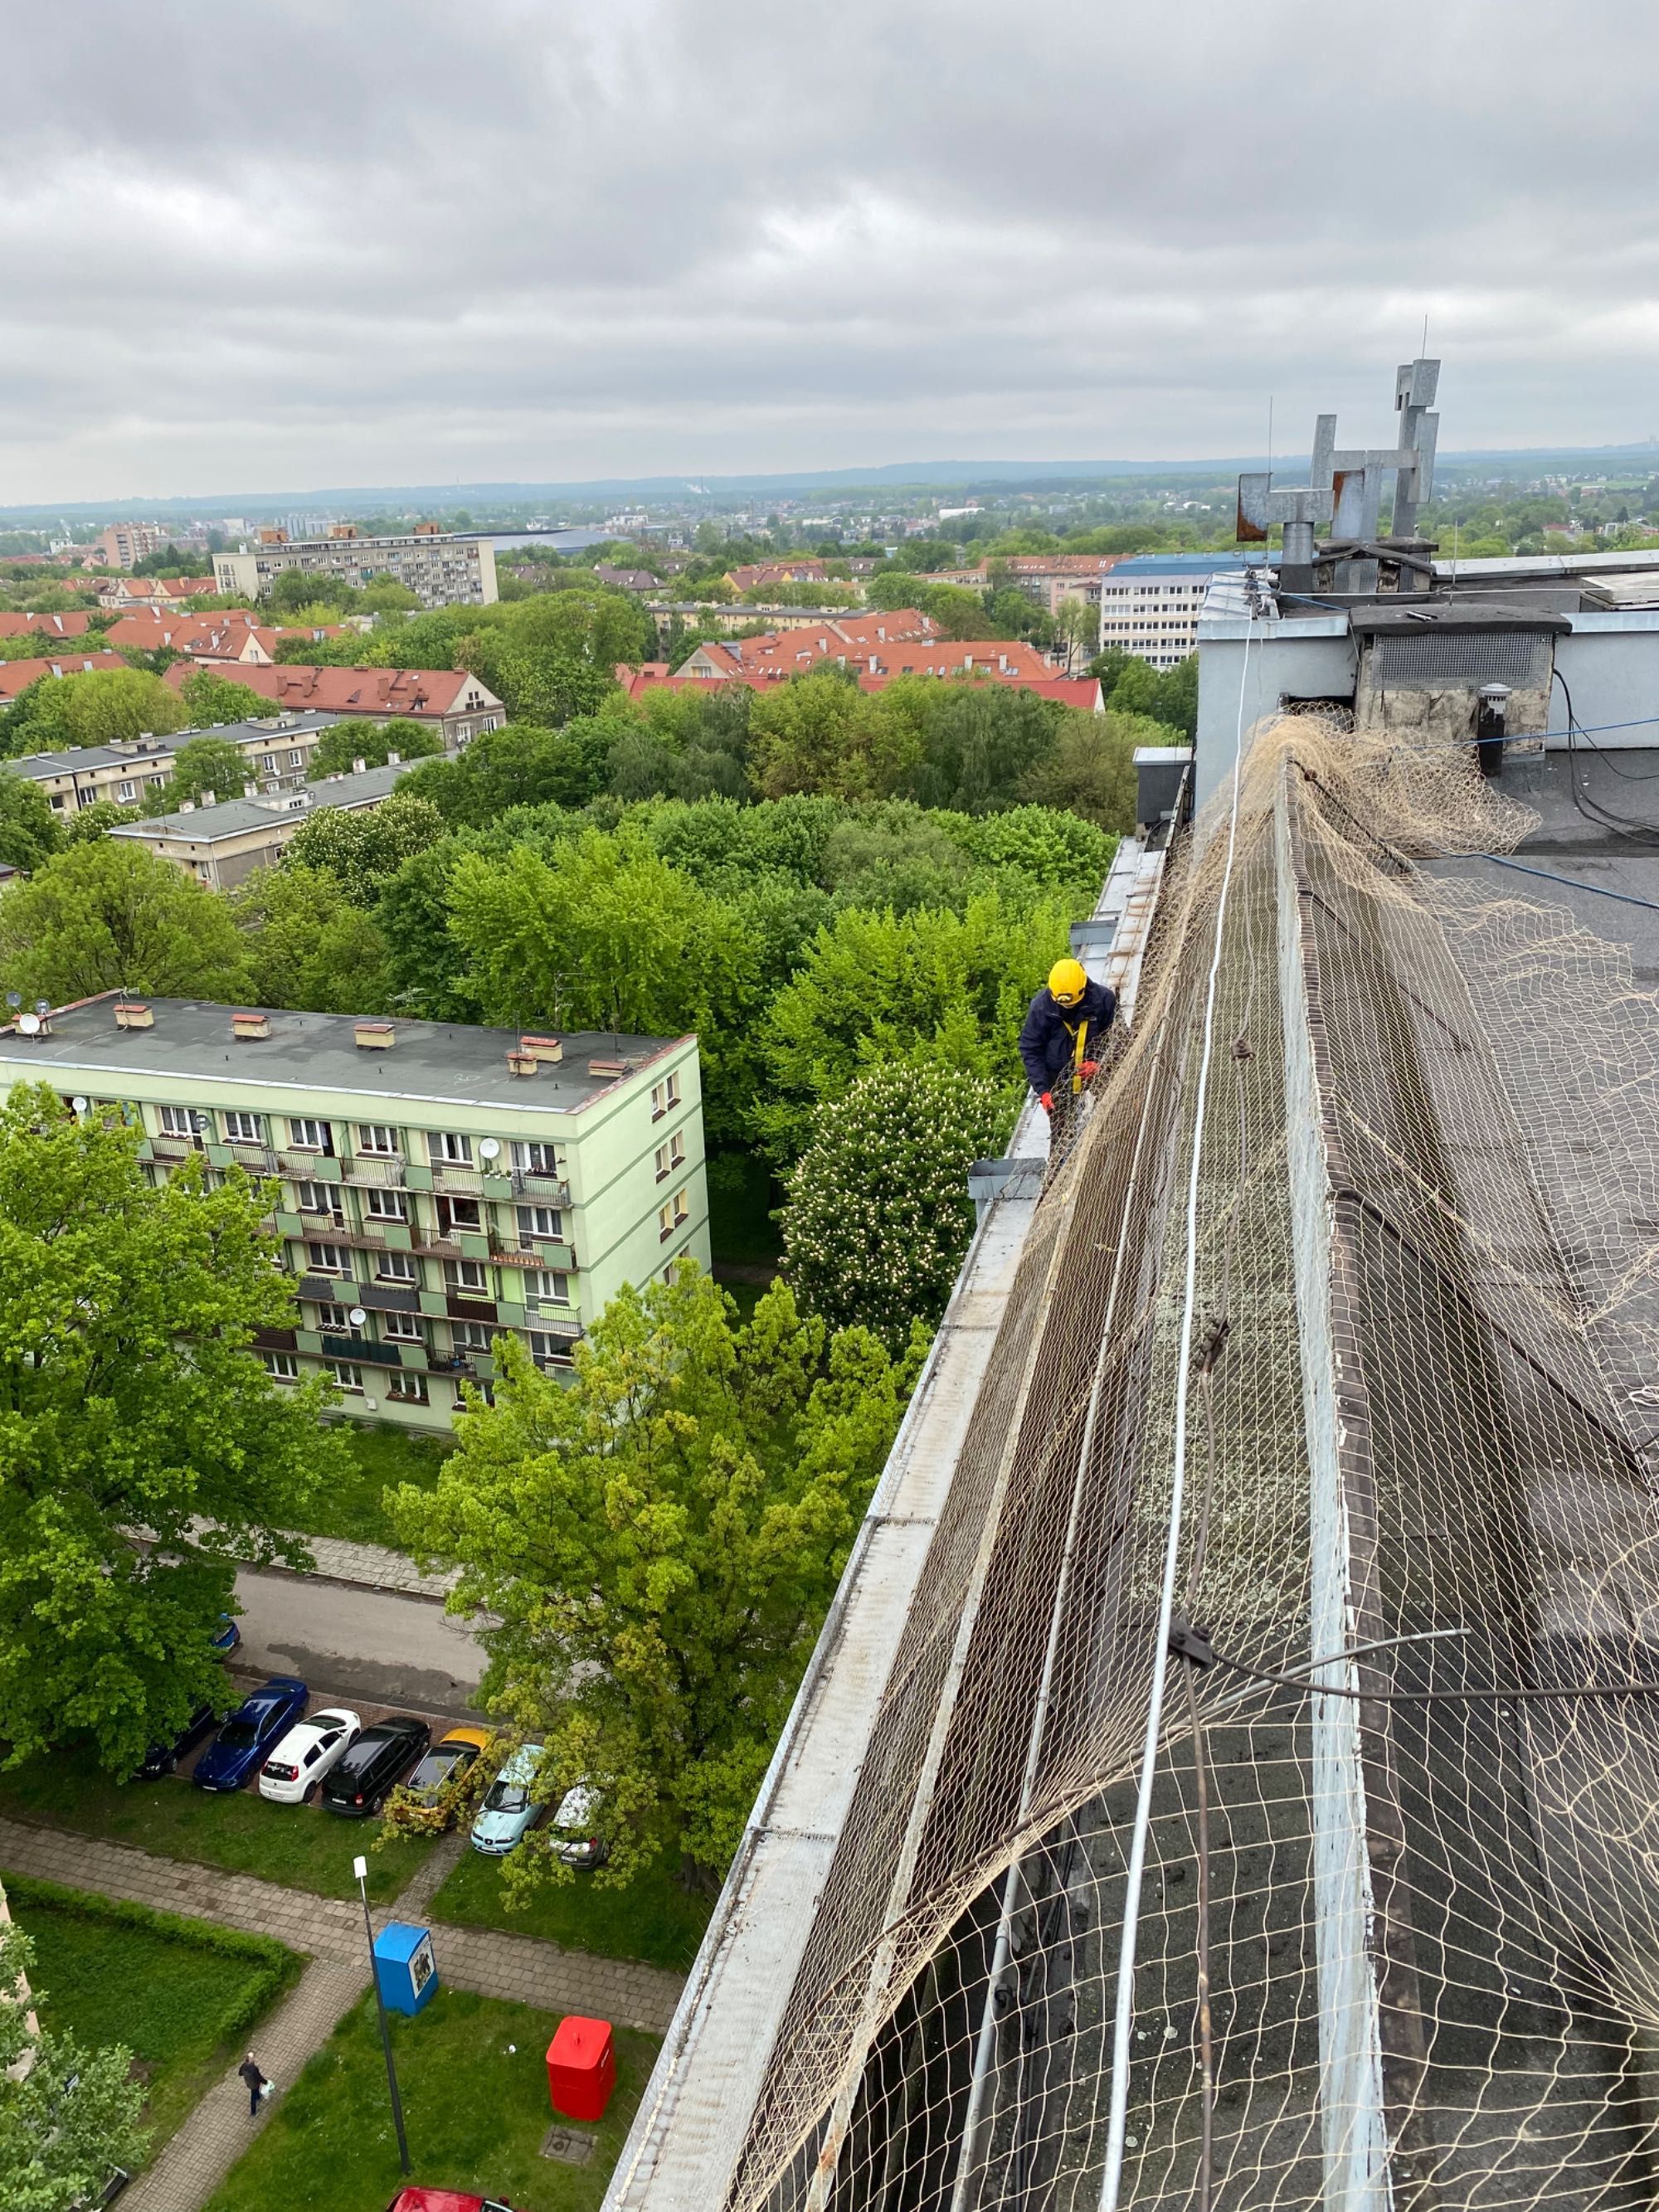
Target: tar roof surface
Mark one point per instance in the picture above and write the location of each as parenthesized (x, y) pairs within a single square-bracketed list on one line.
[(443, 1061)]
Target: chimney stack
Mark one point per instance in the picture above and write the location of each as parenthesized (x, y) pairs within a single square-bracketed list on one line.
[(546, 1051), (374, 1036), (248, 1027), (134, 1014)]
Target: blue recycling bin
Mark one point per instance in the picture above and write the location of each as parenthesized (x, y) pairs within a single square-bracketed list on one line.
[(407, 1972)]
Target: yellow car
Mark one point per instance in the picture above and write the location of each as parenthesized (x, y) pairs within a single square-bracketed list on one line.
[(448, 1758)]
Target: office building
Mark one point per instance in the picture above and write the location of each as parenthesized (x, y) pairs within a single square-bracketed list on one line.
[(441, 569), (437, 1186)]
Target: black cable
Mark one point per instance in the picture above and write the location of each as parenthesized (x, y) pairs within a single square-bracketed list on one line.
[(1194, 1646)]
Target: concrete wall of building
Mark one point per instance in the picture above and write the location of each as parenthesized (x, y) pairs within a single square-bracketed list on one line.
[(1611, 665), (1246, 673)]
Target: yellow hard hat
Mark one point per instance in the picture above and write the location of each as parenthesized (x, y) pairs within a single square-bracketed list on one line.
[(1067, 982)]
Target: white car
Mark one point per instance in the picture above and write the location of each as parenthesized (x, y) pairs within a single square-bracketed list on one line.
[(306, 1753)]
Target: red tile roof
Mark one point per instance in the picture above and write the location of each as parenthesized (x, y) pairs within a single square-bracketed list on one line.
[(775, 572), (16, 676), (71, 625), (426, 694)]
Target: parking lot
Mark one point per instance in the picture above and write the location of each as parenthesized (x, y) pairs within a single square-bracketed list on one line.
[(359, 1647)]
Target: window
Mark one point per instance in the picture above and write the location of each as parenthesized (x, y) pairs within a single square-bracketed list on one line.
[(280, 1366), (664, 1095), (328, 1260), (376, 1137), (546, 1286), (308, 1136), (674, 1215), (178, 1121), (407, 1327), (460, 1213), (396, 1268), (547, 1350), (335, 1319), (471, 1335), (296, 759), (532, 1159), (450, 1149), (317, 1198), (541, 1221), (348, 1377), (126, 792), (671, 1156), (469, 1276), (244, 1129), (387, 1205), (268, 762), (409, 1384)]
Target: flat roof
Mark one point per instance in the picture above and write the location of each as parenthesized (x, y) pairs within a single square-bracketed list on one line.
[(444, 1062), (260, 729), (236, 818)]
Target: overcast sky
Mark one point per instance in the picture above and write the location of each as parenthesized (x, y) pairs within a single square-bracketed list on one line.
[(294, 244)]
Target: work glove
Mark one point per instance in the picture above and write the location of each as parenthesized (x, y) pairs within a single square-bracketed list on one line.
[(1089, 1069), (1046, 1100)]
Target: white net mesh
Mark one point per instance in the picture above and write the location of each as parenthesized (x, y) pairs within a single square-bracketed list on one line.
[(1420, 1405)]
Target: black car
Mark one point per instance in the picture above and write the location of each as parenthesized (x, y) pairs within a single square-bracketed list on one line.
[(162, 1757), (373, 1763)]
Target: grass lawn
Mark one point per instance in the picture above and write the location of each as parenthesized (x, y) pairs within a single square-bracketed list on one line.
[(298, 1845), (475, 2109), (183, 1998), (384, 1456), (653, 1919)]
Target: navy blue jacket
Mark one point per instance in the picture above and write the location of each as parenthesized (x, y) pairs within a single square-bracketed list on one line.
[(1049, 1039)]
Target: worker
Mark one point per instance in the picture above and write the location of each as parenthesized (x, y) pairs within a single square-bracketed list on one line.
[(1061, 1042)]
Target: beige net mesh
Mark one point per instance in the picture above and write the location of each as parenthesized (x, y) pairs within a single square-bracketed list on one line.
[(1400, 1948)]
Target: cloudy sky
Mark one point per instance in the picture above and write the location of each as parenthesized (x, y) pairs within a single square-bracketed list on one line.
[(293, 244)]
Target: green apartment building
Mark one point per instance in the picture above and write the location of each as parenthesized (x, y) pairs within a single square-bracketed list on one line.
[(439, 1184)]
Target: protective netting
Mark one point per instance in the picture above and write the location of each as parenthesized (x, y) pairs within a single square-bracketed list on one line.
[(1420, 1395)]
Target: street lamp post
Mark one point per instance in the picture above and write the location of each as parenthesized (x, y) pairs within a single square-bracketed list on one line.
[(359, 1868)]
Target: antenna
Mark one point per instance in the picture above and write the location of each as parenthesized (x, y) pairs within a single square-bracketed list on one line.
[(489, 1149)]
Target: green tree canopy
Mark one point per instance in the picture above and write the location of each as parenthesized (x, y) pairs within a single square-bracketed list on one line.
[(1091, 771), (208, 699), (521, 764), (208, 763), (361, 847), (109, 916), (310, 946), (879, 1214), (99, 707), (29, 831), (68, 2115), (130, 1402), (660, 1542), (371, 742)]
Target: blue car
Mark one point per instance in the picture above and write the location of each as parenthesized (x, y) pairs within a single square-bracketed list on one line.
[(226, 1636), (238, 1749)]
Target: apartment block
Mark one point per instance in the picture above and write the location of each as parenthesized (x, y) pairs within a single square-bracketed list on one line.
[(221, 841), (125, 544), (441, 568), (449, 700), (436, 1187), (1150, 605), (134, 771)]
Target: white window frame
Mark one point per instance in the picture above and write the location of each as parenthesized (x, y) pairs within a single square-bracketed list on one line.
[(402, 1329), (242, 1127), (541, 1224), (178, 1121), (455, 1272), (299, 1138), (369, 1136), (338, 1265), (335, 1319), (547, 1286), (534, 1156), (383, 1205), (348, 1377), (408, 1386), (280, 1366), (396, 1268), (450, 1148)]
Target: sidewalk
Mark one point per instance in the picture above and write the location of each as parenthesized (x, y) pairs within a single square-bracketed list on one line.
[(330, 1931)]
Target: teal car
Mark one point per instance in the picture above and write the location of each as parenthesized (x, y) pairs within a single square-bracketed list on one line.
[(509, 1811)]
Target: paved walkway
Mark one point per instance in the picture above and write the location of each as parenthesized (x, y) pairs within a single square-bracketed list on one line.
[(330, 1931)]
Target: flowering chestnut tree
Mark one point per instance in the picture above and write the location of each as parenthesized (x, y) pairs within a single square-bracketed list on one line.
[(879, 1214)]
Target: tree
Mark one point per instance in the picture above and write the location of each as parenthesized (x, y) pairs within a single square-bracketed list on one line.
[(109, 916), (209, 700), (522, 764), (820, 733), (370, 743), (204, 765), (1079, 623), (879, 1214), (90, 823), (300, 587), (68, 2115), (99, 707), (1092, 768), (310, 946), (130, 1402), (659, 1542), (29, 832), (363, 846)]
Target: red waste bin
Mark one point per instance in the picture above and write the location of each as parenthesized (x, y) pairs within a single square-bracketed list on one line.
[(581, 2067)]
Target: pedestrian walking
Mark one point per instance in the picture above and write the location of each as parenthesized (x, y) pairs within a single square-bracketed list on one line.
[(256, 2084), (1063, 1040)]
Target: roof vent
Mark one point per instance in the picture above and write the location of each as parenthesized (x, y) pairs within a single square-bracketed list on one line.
[(250, 1027), (250, 790), (209, 798), (608, 1068), (359, 767), (188, 806), (373, 1036), (134, 1014), (394, 760), (547, 1050), (520, 1063)]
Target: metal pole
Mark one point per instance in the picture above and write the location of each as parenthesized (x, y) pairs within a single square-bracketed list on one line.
[(359, 1868)]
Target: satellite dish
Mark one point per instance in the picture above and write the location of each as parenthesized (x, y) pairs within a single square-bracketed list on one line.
[(13, 997), (489, 1149), (79, 1105), (29, 1024), (43, 1005), (356, 1316)]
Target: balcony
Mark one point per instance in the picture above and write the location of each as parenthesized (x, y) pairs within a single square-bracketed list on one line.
[(452, 1362), (555, 1189), (463, 1308), (257, 1159), (361, 1349), (376, 1173), (173, 1148), (465, 1182)]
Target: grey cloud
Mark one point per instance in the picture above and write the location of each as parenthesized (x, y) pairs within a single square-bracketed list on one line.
[(294, 245)]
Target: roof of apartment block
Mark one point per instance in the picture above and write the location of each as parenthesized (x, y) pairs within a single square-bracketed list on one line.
[(419, 692), (269, 729), (440, 1062), (211, 821)]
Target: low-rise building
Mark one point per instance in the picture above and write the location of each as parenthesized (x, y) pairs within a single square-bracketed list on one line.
[(133, 772), (756, 574), (438, 1186), (48, 628), (448, 700), (16, 676), (221, 841), (230, 634), (441, 569), (119, 593), (1050, 579)]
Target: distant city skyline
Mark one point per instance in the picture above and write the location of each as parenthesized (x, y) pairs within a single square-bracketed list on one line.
[(687, 239)]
